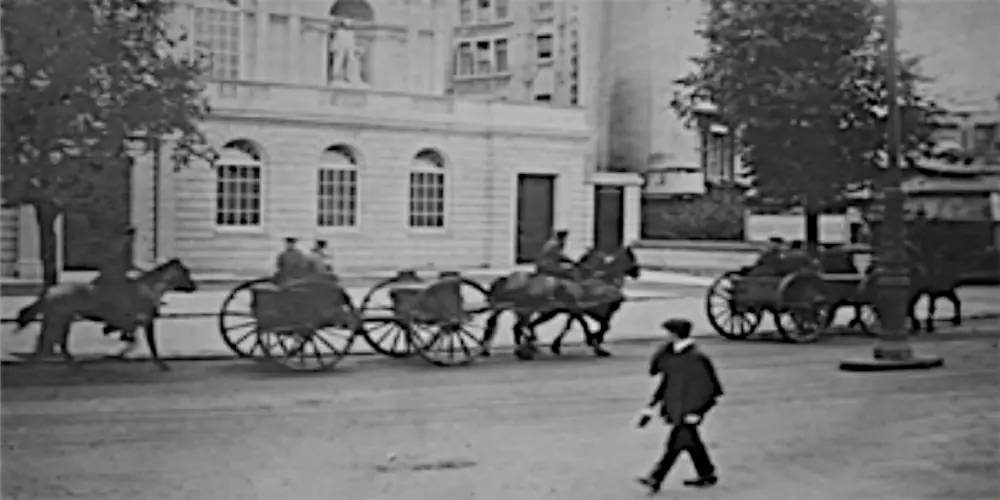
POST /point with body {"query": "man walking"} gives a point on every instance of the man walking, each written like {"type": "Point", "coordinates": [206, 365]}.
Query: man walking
{"type": "Point", "coordinates": [688, 389]}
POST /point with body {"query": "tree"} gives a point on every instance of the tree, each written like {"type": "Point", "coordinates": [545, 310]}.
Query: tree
{"type": "Point", "coordinates": [803, 86]}
{"type": "Point", "coordinates": [82, 80]}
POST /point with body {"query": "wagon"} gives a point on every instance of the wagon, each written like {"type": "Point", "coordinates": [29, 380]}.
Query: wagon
{"type": "Point", "coordinates": [803, 304]}
{"type": "Point", "coordinates": [312, 329]}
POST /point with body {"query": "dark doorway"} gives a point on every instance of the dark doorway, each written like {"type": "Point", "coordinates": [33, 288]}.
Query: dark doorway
{"type": "Point", "coordinates": [93, 227]}
{"type": "Point", "coordinates": [535, 214]}
{"type": "Point", "coordinates": [609, 217]}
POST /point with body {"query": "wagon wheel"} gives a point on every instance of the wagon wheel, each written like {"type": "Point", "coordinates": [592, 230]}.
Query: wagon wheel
{"type": "Point", "coordinates": [457, 342]}
{"type": "Point", "coordinates": [728, 322]}
{"type": "Point", "coordinates": [869, 322]}
{"type": "Point", "coordinates": [807, 306]}
{"type": "Point", "coordinates": [311, 349]}
{"type": "Point", "coordinates": [388, 338]}
{"type": "Point", "coordinates": [236, 322]}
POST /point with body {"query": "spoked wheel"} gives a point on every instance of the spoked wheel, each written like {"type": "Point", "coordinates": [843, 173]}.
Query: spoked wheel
{"type": "Point", "coordinates": [386, 337]}
{"type": "Point", "coordinates": [722, 315]}
{"type": "Point", "coordinates": [809, 315]}
{"type": "Point", "coordinates": [308, 350]}
{"type": "Point", "coordinates": [459, 341]}
{"type": "Point", "coordinates": [236, 322]}
{"type": "Point", "coordinates": [869, 322]}
{"type": "Point", "coordinates": [389, 337]}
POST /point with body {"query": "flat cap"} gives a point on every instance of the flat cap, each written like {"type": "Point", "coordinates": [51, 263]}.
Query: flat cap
{"type": "Point", "coordinates": [678, 326]}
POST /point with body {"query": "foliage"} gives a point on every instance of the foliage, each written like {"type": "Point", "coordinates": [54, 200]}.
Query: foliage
{"type": "Point", "coordinates": [803, 85]}
{"type": "Point", "coordinates": [718, 215]}
{"type": "Point", "coordinates": [81, 79]}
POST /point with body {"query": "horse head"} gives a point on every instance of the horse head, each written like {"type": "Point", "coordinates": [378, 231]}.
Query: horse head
{"type": "Point", "coordinates": [176, 276]}
{"type": "Point", "coordinates": [620, 264]}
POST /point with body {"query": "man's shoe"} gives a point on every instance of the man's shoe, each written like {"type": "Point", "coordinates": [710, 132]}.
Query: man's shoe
{"type": "Point", "coordinates": [702, 482]}
{"type": "Point", "coordinates": [652, 484]}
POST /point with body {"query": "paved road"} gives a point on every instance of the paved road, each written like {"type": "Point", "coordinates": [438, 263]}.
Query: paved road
{"type": "Point", "coordinates": [656, 296]}
{"type": "Point", "coordinates": [791, 426]}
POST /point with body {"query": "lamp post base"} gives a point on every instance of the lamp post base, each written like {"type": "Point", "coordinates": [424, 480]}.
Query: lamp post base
{"type": "Point", "coordinates": [874, 364]}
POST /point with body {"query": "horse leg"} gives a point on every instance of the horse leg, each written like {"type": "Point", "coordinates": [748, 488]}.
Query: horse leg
{"type": "Point", "coordinates": [931, 311]}
{"type": "Point", "coordinates": [61, 329]}
{"type": "Point", "coordinates": [599, 351]}
{"type": "Point", "coordinates": [523, 348]}
{"type": "Point", "coordinates": [956, 304]}
{"type": "Point", "coordinates": [490, 332]}
{"type": "Point", "coordinates": [556, 346]}
{"type": "Point", "coordinates": [149, 328]}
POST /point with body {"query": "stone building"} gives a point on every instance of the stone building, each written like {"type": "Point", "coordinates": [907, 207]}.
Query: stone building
{"type": "Point", "coordinates": [334, 121]}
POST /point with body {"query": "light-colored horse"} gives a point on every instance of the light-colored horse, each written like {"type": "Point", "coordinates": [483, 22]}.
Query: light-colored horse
{"type": "Point", "coordinates": [65, 303]}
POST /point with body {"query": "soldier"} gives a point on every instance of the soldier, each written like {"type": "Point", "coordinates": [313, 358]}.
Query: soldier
{"type": "Point", "coordinates": [113, 287]}
{"type": "Point", "coordinates": [320, 261]}
{"type": "Point", "coordinates": [769, 259]}
{"type": "Point", "coordinates": [552, 259]}
{"type": "Point", "coordinates": [292, 263]}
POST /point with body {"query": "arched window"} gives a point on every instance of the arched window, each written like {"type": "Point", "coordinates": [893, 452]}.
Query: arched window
{"type": "Point", "coordinates": [427, 190]}
{"type": "Point", "coordinates": [238, 185]}
{"type": "Point", "coordinates": [337, 188]}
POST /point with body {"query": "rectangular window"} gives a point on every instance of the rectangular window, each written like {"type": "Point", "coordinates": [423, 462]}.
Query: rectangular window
{"type": "Point", "coordinates": [500, 55]}
{"type": "Point", "coordinates": [465, 59]}
{"type": "Point", "coordinates": [218, 33]}
{"type": "Point", "coordinates": [543, 47]}
{"type": "Point", "coordinates": [484, 58]}
{"type": "Point", "coordinates": [465, 11]}
{"type": "Point", "coordinates": [427, 199]}
{"type": "Point", "coordinates": [485, 15]}
{"type": "Point", "coordinates": [237, 196]}
{"type": "Point", "coordinates": [503, 9]}
{"type": "Point", "coordinates": [337, 197]}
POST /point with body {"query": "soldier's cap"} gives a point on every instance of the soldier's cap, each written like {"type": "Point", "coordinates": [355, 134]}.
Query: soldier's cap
{"type": "Point", "coordinates": [321, 243]}
{"type": "Point", "coordinates": [776, 239]}
{"type": "Point", "coordinates": [677, 326]}
{"type": "Point", "coordinates": [562, 232]}
{"type": "Point", "coordinates": [291, 240]}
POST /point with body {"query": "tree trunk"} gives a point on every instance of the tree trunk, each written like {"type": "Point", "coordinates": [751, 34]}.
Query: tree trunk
{"type": "Point", "coordinates": [812, 230]}
{"type": "Point", "coordinates": [46, 215]}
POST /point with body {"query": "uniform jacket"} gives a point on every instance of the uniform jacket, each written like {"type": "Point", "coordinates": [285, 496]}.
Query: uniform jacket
{"type": "Point", "coordinates": [320, 262]}
{"type": "Point", "coordinates": [688, 382]}
{"type": "Point", "coordinates": [292, 264]}
{"type": "Point", "coordinates": [551, 255]}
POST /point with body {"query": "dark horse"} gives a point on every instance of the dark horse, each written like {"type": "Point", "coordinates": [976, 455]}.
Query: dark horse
{"type": "Point", "coordinates": [65, 303]}
{"type": "Point", "coordinates": [596, 292]}
{"type": "Point", "coordinates": [931, 275]}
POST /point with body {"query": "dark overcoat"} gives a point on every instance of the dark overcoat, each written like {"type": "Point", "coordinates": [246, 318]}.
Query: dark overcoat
{"type": "Point", "coordinates": [688, 382]}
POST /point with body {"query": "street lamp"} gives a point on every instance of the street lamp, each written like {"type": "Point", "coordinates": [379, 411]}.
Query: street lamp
{"type": "Point", "coordinates": [892, 349]}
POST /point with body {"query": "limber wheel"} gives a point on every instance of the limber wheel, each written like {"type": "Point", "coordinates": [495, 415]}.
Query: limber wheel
{"type": "Point", "coordinates": [388, 338]}
{"type": "Point", "coordinates": [808, 310]}
{"type": "Point", "coordinates": [308, 349]}
{"type": "Point", "coordinates": [458, 341]}
{"type": "Point", "coordinates": [723, 317]}
{"type": "Point", "coordinates": [236, 322]}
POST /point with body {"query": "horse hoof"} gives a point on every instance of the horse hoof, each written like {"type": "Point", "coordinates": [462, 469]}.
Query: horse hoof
{"type": "Point", "coordinates": [486, 354]}
{"type": "Point", "coordinates": [601, 353]}
{"type": "Point", "coordinates": [163, 368]}
{"type": "Point", "coordinates": [556, 349]}
{"type": "Point", "coordinates": [957, 322]}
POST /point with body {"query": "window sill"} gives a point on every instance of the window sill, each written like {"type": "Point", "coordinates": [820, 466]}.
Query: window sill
{"type": "Point", "coordinates": [238, 230]}
{"type": "Point", "coordinates": [467, 78]}
{"type": "Point", "coordinates": [338, 229]}
{"type": "Point", "coordinates": [429, 231]}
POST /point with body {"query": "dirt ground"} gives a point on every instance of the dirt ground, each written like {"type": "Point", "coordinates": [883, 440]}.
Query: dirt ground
{"type": "Point", "coordinates": [790, 427]}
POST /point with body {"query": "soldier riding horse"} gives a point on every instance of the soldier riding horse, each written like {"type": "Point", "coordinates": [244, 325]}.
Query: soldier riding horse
{"type": "Point", "coordinates": [594, 290]}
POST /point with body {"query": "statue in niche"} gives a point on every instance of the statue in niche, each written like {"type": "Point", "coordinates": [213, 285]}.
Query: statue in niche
{"type": "Point", "coordinates": [346, 57]}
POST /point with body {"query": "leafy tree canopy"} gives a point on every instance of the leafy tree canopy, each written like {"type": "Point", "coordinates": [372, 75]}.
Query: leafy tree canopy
{"type": "Point", "coordinates": [803, 86]}
{"type": "Point", "coordinates": [80, 79]}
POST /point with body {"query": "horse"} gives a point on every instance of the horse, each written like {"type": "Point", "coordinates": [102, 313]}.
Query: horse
{"type": "Point", "coordinates": [598, 281]}
{"type": "Point", "coordinates": [65, 303]}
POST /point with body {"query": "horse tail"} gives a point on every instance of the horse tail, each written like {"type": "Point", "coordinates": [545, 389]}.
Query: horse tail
{"type": "Point", "coordinates": [28, 313]}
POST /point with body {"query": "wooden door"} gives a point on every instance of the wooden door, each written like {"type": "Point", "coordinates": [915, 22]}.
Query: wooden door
{"type": "Point", "coordinates": [535, 214]}
{"type": "Point", "coordinates": [609, 217]}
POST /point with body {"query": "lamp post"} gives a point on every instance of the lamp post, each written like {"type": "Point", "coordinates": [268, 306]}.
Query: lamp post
{"type": "Point", "coordinates": [892, 349]}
